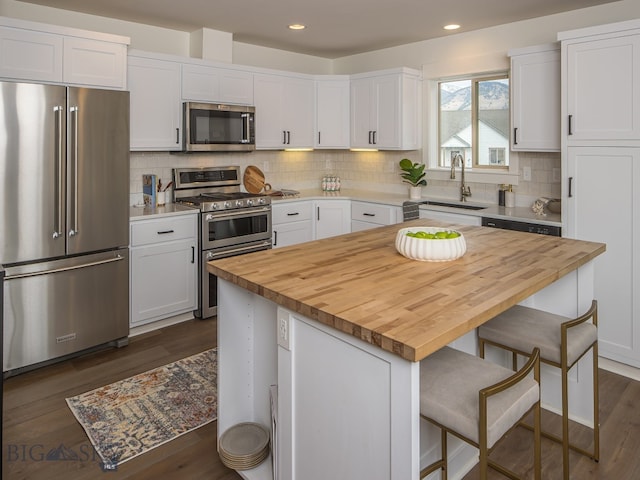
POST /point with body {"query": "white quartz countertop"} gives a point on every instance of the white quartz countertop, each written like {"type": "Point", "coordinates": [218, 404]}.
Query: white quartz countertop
{"type": "Point", "coordinates": [170, 209]}
{"type": "Point", "coordinates": [521, 214]}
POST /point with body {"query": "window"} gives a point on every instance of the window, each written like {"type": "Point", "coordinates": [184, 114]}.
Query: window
{"type": "Point", "coordinates": [474, 122]}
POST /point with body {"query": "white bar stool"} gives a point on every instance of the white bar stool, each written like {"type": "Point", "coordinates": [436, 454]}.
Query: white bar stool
{"type": "Point", "coordinates": [562, 342]}
{"type": "Point", "coordinates": [478, 402]}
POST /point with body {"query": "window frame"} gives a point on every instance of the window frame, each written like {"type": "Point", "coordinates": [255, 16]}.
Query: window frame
{"type": "Point", "coordinates": [475, 80]}
{"type": "Point", "coordinates": [430, 151]}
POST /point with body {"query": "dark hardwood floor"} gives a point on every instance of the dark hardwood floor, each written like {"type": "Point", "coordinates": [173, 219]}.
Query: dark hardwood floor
{"type": "Point", "coordinates": [37, 419]}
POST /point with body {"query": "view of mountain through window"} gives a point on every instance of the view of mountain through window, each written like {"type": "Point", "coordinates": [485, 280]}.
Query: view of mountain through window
{"type": "Point", "coordinates": [474, 122]}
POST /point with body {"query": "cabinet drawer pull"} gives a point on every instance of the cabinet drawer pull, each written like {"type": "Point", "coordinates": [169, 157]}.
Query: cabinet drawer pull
{"type": "Point", "coordinates": [164, 232]}
{"type": "Point", "coordinates": [369, 214]}
{"type": "Point", "coordinates": [293, 214]}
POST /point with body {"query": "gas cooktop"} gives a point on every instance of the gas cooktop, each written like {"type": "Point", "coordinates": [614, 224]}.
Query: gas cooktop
{"type": "Point", "coordinates": [213, 189]}
{"type": "Point", "coordinates": [209, 202]}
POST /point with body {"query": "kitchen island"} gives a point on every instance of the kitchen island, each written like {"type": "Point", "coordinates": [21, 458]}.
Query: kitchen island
{"type": "Point", "coordinates": [340, 325]}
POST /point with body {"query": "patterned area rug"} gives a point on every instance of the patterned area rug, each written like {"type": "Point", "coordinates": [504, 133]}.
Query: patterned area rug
{"type": "Point", "coordinates": [132, 416]}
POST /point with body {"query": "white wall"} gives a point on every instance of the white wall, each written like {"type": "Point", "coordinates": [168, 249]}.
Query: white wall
{"type": "Point", "coordinates": [459, 53]}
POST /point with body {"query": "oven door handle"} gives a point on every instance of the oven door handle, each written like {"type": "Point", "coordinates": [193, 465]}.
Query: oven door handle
{"type": "Point", "coordinates": [243, 212]}
{"type": "Point", "coordinates": [236, 251]}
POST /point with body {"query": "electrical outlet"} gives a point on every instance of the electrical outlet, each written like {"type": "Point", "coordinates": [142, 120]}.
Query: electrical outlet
{"type": "Point", "coordinates": [283, 332]}
{"type": "Point", "coordinates": [526, 174]}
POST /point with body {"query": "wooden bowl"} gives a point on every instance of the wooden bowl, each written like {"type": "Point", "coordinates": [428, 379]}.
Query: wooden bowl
{"type": "Point", "coordinates": [430, 250]}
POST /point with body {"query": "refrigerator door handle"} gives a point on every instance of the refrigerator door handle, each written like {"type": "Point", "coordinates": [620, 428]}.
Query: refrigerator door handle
{"type": "Point", "coordinates": [73, 231]}
{"type": "Point", "coordinates": [117, 258]}
{"type": "Point", "coordinates": [59, 156]}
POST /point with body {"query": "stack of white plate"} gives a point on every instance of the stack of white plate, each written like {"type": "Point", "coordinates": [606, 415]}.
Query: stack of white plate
{"type": "Point", "coordinates": [244, 446]}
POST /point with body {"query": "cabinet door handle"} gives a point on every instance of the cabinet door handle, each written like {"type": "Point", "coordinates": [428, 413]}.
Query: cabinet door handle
{"type": "Point", "coordinates": [515, 135]}
{"type": "Point", "coordinates": [570, 119]}
{"type": "Point", "coordinates": [284, 137]}
{"type": "Point", "coordinates": [193, 254]}
{"type": "Point", "coordinates": [370, 132]}
{"type": "Point", "coordinates": [177, 135]}
{"type": "Point", "coordinates": [318, 213]}
{"type": "Point", "coordinates": [293, 214]}
{"type": "Point", "coordinates": [318, 138]}
{"type": "Point", "coordinates": [164, 232]}
{"type": "Point", "coordinates": [275, 238]}
{"type": "Point", "coordinates": [288, 137]}
{"type": "Point", "coordinates": [570, 187]}
{"type": "Point", "coordinates": [374, 137]}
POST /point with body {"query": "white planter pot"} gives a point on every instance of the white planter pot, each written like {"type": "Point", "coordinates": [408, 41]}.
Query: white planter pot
{"type": "Point", "coordinates": [415, 193]}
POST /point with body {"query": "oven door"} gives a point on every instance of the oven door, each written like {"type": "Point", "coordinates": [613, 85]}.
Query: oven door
{"type": "Point", "coordinates": [208, 301]}
{"type": "Point", "coordinates": [235, 227]}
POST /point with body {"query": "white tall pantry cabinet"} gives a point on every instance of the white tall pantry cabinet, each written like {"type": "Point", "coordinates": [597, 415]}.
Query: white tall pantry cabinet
{"type": "Point", "coordinates": [601, 171]}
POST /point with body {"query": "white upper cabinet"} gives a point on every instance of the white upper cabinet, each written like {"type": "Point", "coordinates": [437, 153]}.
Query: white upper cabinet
{"type": "Point", "coordinates": [602, 83]}
{"type": "Point", "coordinates": [284, 112]}
{"type": "Point", "coordinates": [44, 53]}
{"type": "Point", "coordinates": [92, 62]}
{"type": "Point", "coordinates": [385, 110]}
{"type": "Point", "coordinates": [156, 114]}
{"type": "Point", "coordinates": [332, 113]}
{"type": "Point", "coordinates": [201, 83]}
{"type": "Point", "coordinates": [29, 55]}
{"type": "Point", "coordinates": [535, 99]}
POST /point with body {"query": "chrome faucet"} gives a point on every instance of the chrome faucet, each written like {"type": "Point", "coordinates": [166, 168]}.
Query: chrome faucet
{"type": "Point", "coordinates": [465, 191]}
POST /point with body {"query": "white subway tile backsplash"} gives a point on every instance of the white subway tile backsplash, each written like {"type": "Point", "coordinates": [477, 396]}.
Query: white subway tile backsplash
{"type": "Point", "coordinates": [361, 170]}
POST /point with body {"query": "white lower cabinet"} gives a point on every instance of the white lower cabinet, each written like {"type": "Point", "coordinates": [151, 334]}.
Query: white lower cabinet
{"type": "Point", "coordinates": [291, 223]}
{"type": "Point", "coordinates": [163, 267]}
{"type": "Point", "coordinates": [306, 220]}
{"type": "Point", "coordinates": [603, 193]}
{"type": "Point", "coordinates": [365, 215]}
{"type": "Point", "coordinates": [332, 217]}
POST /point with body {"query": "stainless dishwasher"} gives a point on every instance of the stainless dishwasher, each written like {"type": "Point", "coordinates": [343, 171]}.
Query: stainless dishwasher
{"type": "Point", "coordinates": [538, 228]}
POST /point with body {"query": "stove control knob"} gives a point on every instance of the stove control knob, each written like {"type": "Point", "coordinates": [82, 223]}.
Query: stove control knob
{"type": "Point", "coordinates": [214, 206]}
{"type": "Point", "coordinates": [238, 203]}
{"type": "Point", "coordinates": [249, 203]}
{"type": "Point", "coordinates": [261, 201]}
{"type": "Point", "coordinates": [227, 204]}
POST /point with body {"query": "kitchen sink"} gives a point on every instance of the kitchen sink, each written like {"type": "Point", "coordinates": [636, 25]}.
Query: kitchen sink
{"type": "Point", "coordinates": [453, 205]}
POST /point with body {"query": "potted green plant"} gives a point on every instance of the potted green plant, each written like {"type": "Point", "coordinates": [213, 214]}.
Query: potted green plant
{"type": "Point", "coordinates": [413, 174]}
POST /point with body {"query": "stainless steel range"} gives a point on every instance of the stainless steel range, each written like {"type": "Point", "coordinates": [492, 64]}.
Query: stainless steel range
{"type": "Point", "coordinates": [232, 222]}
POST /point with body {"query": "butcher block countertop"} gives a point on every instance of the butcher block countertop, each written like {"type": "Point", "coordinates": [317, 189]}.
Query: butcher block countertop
{"type": "Point", "coordinates": [359, 284]}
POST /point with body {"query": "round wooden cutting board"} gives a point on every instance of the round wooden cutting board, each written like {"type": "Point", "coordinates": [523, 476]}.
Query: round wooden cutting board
{"type": "Point", "coordinates": [254, 179]}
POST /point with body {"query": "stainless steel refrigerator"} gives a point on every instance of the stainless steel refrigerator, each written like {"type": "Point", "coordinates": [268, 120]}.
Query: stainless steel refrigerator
{"type": "Point", "coordinates": [64, 220]}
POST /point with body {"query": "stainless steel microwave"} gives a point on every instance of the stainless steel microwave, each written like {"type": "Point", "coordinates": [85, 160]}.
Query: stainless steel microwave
{"type": "Point", "coordinates": [214, 127]}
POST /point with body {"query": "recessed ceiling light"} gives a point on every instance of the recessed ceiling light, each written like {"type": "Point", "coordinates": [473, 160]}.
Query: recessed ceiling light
{"type": "Point", "coordinates": [452, 26]}
{"type": "Point", "coordinates": [297, 26]}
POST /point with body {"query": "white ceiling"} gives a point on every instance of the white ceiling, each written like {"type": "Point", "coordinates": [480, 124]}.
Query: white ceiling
{"type": "Point", "coordinates": [335, 28]}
